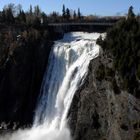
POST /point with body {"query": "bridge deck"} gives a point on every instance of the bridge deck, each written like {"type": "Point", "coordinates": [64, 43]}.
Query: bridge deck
{"type": "Point", "coordinates": [81, 24]}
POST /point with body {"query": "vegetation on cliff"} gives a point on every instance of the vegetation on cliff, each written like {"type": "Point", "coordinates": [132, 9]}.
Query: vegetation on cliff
{"type": "Point", "coordinates": [24, 53]}
{"type": "Point", "coordinates": [123, 42]}
{"type": "Point", "coordinates": [23, 59]}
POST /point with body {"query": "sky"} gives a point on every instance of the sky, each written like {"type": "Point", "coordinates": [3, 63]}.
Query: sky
{"type": "Point", "coordinates": [87, 7]}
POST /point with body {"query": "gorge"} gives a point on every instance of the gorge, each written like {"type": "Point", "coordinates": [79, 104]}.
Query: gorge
{"type": "Point", "coordinates": [68, 75]}
{"type": "Point", "coordinates": [67, 69]}
{"type": "Point", "coordinates": [81, 97]}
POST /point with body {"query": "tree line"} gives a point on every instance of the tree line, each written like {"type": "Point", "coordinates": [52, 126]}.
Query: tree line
{"type": "Point", "coordinates": [35, 16]}
{"type": "Point", "coordinates": [14, 14]}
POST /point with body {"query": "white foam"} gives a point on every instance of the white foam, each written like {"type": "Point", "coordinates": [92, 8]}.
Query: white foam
{"type": "Point", "coordinates": [67, 69]}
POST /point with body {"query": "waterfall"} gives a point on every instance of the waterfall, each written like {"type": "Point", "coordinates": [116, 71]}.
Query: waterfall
{"type": "Point", "coordinates": [68, 66]}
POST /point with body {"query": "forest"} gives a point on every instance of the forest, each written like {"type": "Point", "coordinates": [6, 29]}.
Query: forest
{"type": "Point", "coordinates": [122, 41]}
{"type": "Point", "coordinates": [14, 14]}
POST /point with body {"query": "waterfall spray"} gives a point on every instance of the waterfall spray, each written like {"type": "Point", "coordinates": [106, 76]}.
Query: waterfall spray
{"type": "Point", "coordinates": [68, 66]}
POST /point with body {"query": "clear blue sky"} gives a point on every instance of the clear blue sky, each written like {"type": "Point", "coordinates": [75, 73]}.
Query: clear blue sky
{"type": "Point", "coordinates": [98, 7]}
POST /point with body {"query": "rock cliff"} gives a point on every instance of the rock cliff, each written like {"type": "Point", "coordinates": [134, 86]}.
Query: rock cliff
{"type": "Point", "coordinates": [101, 110]}
{"type": "Point", "coordinates": [23, 61]}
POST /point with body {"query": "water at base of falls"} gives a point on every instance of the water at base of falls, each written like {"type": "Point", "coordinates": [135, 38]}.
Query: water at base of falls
{"type": "Point", "coordinates": [66, 71]}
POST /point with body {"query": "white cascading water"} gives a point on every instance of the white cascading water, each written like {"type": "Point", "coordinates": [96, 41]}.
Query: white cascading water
{"type": "Point", "coordinates": [67, 69]}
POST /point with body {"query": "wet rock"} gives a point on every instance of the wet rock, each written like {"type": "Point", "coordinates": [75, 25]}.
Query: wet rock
{"type": "Point", "coordinates": [98, 113]}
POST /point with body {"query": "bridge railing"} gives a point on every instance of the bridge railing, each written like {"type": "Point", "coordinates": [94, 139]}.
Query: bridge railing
{"type": "Point", "coordinates": [78, 24]}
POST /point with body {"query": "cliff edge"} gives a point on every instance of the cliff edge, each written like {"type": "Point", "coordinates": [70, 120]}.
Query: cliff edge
{"type": "Point", "coordinates": [101, 110]}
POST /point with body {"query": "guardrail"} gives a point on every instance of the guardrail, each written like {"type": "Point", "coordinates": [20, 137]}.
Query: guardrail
{"type": "Point", "coordinates": [79, 24]}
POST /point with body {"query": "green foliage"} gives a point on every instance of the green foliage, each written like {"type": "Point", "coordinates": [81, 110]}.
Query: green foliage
{"type": "Point", "coordinates": [110, 72]}
{"type": "Point", "coordinates": [21, 17]}
{"type": "Point", "coordinates": [64, 12]}
{"type": "Point", "coordinates": [130, 12]}
{"type": "Point", "coordinates": [100, 74]}
{"type": "Point", "coordinates": [67, 14]}
{"type": "Point", "coordinates": [115, 87]}
{"type": "Point", "coordinates": [123, 42]}
{"type": "Point", "coordinates": [8, 13]}
{"type": "Point", "coordinates": [137, 136]}
{"type": "Point", "coordinates": [74, 15]}
{"type": "Point", "coordinates": [29, 38]}
{"type": "Point", "coordinates": [79, 14]}
{"type": "Point", "coordinates": [138, 71]}
{"type": "Point", "coordinates": [14, 14]}
{"type": "Point", "coordinates": [99, 40]}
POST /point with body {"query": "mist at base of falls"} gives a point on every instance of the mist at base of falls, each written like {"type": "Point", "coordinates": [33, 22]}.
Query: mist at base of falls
{"type": "Point", "coordinates": [68, 66]}
{"type": "Point", "coordinates": [39, 133]}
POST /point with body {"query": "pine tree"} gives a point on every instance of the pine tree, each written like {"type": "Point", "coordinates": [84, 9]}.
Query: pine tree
{"type": "Point", "coordinates": [79, 14]}
{"type": "Point", "coordinates": [3, 18]}
{"type": "Point", "coordinates": [37, 11]}
{"type": "Point", "coordinates": [67, 14]}
{"type": "Point", "coordinates": [130, 12]}
{"type": "Point", "coordinates": [64, 12]}
{"type": "Point", "coordinates": [21, 17]}
{"type": "Point", "coordinates": [31, 10]}
{"type": "Point", "coordinates": [8, 12]}
{"type": "Point", "coordinates": [74, 15]}
{"type": "Point", "coordinates": [44, 18]}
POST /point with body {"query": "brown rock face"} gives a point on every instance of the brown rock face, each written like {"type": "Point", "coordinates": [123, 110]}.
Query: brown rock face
{"type": "Point", "coordinates": [100, 113]}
